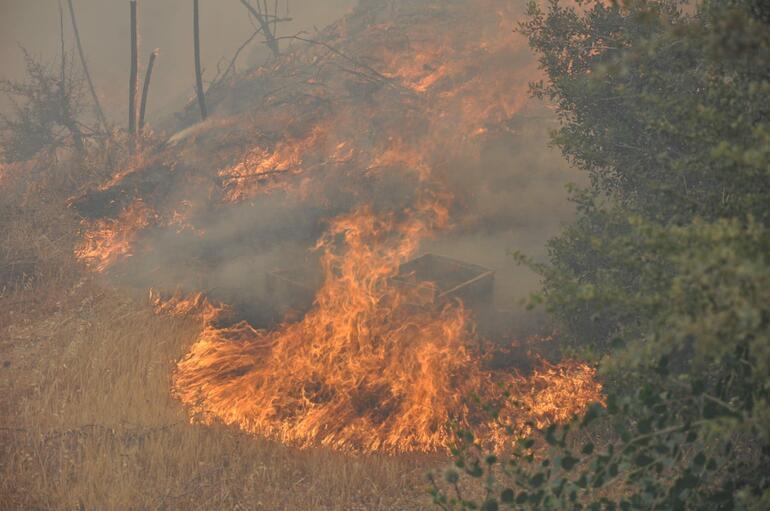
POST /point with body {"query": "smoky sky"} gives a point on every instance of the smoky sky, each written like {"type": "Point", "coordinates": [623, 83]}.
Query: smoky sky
{"type": "Point", "coordinates": [163, 24]}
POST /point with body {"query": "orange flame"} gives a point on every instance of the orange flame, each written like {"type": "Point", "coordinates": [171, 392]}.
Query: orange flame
{"type": "Point", "coordinates": [109, 240]}
{"type": "Point", "coordinates": [254, 171]}
{"type": "Point", "coordinates": [373, 366]}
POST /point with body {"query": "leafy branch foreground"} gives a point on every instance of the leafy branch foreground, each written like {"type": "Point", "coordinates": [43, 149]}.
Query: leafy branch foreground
{"type": "Point", "coordinates": [663, 280]}
{"type": "Point", "coordinates": [604, 461]}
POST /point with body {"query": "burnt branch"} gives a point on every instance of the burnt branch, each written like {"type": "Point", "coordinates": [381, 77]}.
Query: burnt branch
{"type": "Point", "coordinates": [218, 80]}
{"type": "Point", "coordinates": [268, 23]}
{"type": "Point", "coordinates": [146, 88]}
{"type": "Point", "coordinates": [197, 50]}
{"type": "Point", "coordinates": [92, 89]}
{"type": "Point", "coordinates": [356, 62]}
{"type": "Point", "coordinates": [133, 80]}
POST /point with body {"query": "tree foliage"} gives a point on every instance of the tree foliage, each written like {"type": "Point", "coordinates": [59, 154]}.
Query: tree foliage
{"type": "Point", "coordinates": [664, 277]}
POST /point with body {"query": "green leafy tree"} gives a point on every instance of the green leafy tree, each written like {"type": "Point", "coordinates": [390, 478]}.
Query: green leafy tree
{"type": "Point", "coordinates": [664, 276]}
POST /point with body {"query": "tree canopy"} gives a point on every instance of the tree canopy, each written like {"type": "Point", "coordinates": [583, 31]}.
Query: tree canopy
{"type": "Point", "coordinates": [663, 279]}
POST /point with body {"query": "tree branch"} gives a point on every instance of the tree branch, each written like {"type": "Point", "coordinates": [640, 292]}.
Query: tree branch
{"type": "Point", "coordinates": [146, 88]}
{"type": "Point", "coordinates": [133, 81]}
{"type": "Point", "coordinates": [264, 23]}
{"type": "Point", "coordinates": [99, 111]}
{"type": "Point", "coordinates": [198, 75]}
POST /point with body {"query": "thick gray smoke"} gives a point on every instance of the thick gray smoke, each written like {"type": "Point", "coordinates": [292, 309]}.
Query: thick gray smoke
{"type": "Point", "coordinates": [517, 203]}
{"type": "Point", "coordinates": [514, 199]}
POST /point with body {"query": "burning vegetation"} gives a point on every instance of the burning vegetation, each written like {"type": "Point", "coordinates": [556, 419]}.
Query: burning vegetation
{"type": "Point", "coordinates": [107, 241]}
{"type": "Point", "coordinates": [371, 127]}
{"type": "Point", "coordinates": [318, 236]}
{"type": "Point", "coordinates": [372, 366]}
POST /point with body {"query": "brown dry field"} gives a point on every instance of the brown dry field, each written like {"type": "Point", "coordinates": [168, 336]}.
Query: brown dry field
{"type": "Point", "coordinates": [87, 421]}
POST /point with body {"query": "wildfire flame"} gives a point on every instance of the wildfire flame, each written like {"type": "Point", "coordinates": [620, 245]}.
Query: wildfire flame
{"type": "Point", "coordinates": [374, 365]}
{"type": "Point", "coordinates": [107, 241]}
{"type": "Point", "coordinates": [252, 173]}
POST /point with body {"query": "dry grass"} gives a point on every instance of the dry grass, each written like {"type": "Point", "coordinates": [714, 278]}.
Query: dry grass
{"type": "Point", "coordinates": [91, 425]}
{"type": "Point", "coordinates": [87, 420]}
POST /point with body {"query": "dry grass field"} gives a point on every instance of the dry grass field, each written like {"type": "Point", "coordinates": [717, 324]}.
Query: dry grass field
{"type": "Point", "coordinates": [86, 417]}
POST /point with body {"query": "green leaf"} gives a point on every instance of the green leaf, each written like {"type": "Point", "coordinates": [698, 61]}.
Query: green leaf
{"type": "Point", "coordinates": [642, 459]}
{"type": "Point", "coordinates": [644, 426]}
{"type": "Point", "coordinates": [687, 481]}
{"type": "Point", "coordinates": [506, 496]}
{"type": "Point", "coordinates": [550, 436]}
{"type": "Point", "coordinates": [700, 459]}
{"type": "Point", "coordinates": [475, 471]}
{"type": "Point", "coordinates": [568, 462]}
{"type": "Point", "coordinates": [712, 410]}
{"type": "Point", "coordinates": [489, 505]}
{"type": "Point", "coordinates": [698, 387]}
{"type": "Point", "coordinates": [591, 414]}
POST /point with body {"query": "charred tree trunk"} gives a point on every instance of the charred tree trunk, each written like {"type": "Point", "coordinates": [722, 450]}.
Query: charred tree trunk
{"type": "Point", "coordinates": [133, 81]}
{"type": "Point", "coordinates": [146, 89]}
{"type": "Point", "coordinates": [97, 105]}
{"type": "Point", "coordinates": [198, 73]}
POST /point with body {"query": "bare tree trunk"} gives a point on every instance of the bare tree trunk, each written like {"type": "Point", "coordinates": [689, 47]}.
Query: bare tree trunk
{"type": "Point", "coordinates": [133, 82]}
{"type": "Point", "coordinates": [198, 75]}
{"type": "Point", "coordinates": [99, 111]}
{"type": "Point", "coordinates": [146, 88]}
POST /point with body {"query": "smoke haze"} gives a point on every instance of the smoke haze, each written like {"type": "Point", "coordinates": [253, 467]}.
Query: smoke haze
{"type": "Point", "coordinates": [166, 24]}
{"type": "Point", "coordinates": [513, 199]}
